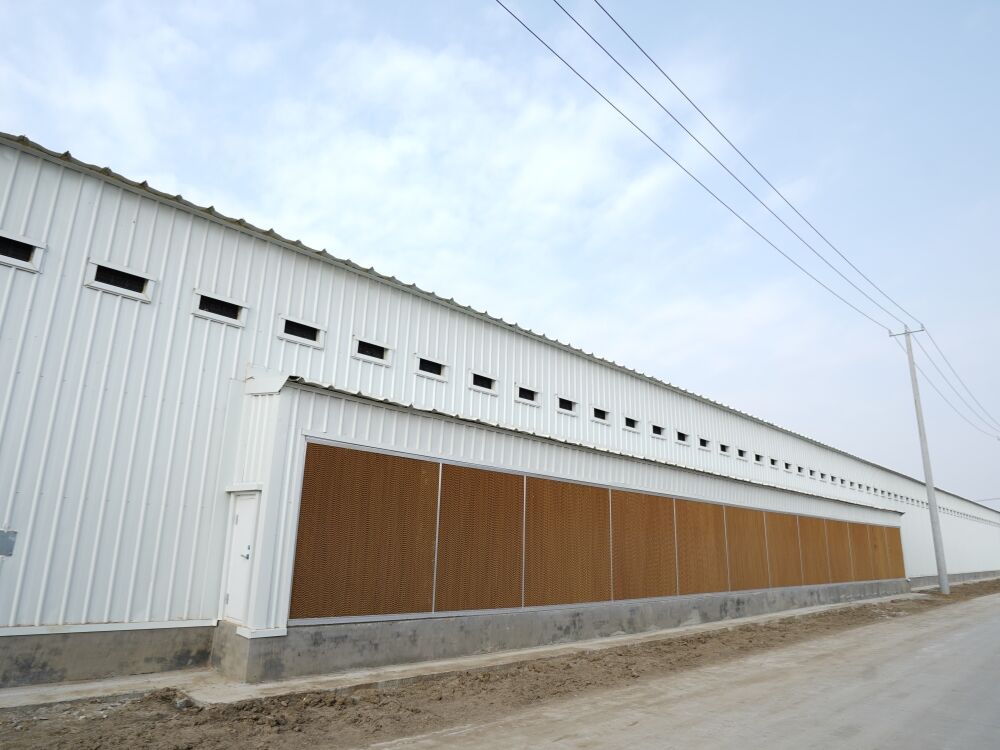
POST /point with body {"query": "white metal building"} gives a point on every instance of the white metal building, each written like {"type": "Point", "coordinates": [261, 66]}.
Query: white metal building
{"type": "Point", "coordinates": [163, 368]}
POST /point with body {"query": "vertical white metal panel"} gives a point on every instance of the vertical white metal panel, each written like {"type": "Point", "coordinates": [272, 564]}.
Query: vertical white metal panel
{"type": "Point", "coordinates": [114, 421]}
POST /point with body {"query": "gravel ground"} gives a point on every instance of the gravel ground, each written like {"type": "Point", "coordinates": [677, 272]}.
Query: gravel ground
{"type": "Point", "coordinates": [167, 720]}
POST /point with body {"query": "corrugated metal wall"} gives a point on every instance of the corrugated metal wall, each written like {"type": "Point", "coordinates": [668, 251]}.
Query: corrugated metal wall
{"type": "Point", "coordinates": [115, 436]}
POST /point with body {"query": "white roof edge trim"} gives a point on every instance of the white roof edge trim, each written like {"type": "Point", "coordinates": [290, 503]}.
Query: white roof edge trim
{"type": "Point", "coordinates": [261, 382]}
{"type": "Point", "coordinates": [299, 382]}
{"type": "Point", "coordinates": [24, 143]}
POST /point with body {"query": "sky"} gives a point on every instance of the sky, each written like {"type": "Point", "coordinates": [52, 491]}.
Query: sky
{"type": "Point", "coordinates": [441, 144]}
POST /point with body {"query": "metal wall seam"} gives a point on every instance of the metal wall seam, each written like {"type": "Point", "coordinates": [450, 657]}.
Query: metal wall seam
{"type": "Point", "coordinates": [437, 537]}
{"type": "Point", "coordinates": [725, 544]}
{"type": "Point", "coordinates": [524, 531]}
{"type": "Point", "coordinates": [826, 541]}
{"type": "Point", "coordinates": [611, 546]}
{"type": "Point", "coordinates": [798, 535]}
{"type": "Point", "coordinates": [767, 552]}
{"type": "Point", "coordinates": [850, 551]}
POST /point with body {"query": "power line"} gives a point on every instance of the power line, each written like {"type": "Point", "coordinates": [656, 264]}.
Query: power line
{"type": "Point", "coordinates": [686, 171]}
{"type": "Point", "coordinates": [944, 398]}
{"type": "Point", "coordinates": [992, 418]}
{"type": "Point", "coordinates": [753, 166]}
{"type": "Point", "coordinates": [730, 172]}
{"type": "Point", "coordinates": [746, 159]}
{"type": "Point", "coordinates": [733, 211]}
{"type": "Point", "coordinates": [952, 386]}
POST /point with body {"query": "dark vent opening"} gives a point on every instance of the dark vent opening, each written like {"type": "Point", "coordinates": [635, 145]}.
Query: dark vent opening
{"type": "Point", "coordinates": [21, 251]}
{"type": "Point", "coordinates": [723, 448]}
{"type": "Point", "coordinates": [657, 430]}
{"type": "Point", "coordinates": [741, 453]}
{"type": "Point", "coordinates": [631, 423]}
{"type": "Point", "coordinates": [430, 366]}
{"type": "Point", "coordinates": [219, 307]}
{"type": "Point", "coordinates": [368, 349]}
{"type": "Point", "coordinates": [120, 279]}
{"type": "Point", "coordinates": [526, 394]}
{"type": "Point", "coordinates": [600, 413]}
{"type": "Point", "coordinates": [481, 381]}
{"type": "Point", "coordinates": [682, 437]}
{"type": "Point", "coordinates": [702, 442]}
{"type": "Point", "coordinates": [774, 462]}
{"type": "Point", "coordinates": [758, 458]}
{"type": "Point", "coordinates": [566, 405]}
{"type": "Point", "coordinates": [301, 330]}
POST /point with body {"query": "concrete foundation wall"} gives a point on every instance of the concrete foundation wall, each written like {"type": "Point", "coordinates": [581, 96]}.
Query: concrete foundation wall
{"type": "Point", "coordinates": [320, 649]}
{"type": "Point", "coordinates": [63, 657]}
{"type": "Point", "coordinates": [924, 581]}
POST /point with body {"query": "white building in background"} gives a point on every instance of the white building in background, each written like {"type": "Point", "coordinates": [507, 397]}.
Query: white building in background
{"type": "Point", "coordinates": [163, 367]}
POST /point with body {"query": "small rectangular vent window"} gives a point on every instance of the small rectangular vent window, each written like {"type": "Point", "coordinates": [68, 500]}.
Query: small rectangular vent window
{"type": "Point", "coordinates": [566, 405]}
{"type": "Point", "coordinates": [758, 458]}
{"type": "Point", "coordinates": [120, 279]}
{"type": "Point", "coordinates": [482, 381]}
{"type": "Point", "coordinates": [740, 453]}
{"type": "Point", "coordinates": [812, 472]}
{"type": "Point", "coordinates": [631, 423]}
{"type": "Point", "coordinates": [774, 463]}
{"type": "Point", "coordinates": [723, 448]}
{"type": "Point", "coordinates": [788, 466]}
{"type": "Point", "coordinates": [21, 251]}
{"type": "Point", "coordinates": [657, 430]}
{"type": "Point", "coordinates": [368, 349]}
{"type": "Point", "coordinates": [800, 469]}
{"type": "Point", "coordinates": [702, 442]}
{"type": "Point", "coordinates": [219, 307]}
{"type": "Point", "coordinates": [301, 331]}
{"type": "Point", "coordinates": [431, 367]}
{"type": "Point", "coordinates": [601, 414]}
{"type": "Point", "coordinates": [526, 394]}
{"type": "Point", "coordinates": [682, 437]}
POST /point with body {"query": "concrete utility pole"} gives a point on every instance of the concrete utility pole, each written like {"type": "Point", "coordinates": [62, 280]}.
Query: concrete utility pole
{"type": "Point", "coordinates": [942, 568]}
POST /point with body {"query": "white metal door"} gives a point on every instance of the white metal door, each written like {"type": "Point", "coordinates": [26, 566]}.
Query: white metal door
{"type": "Point", "coordinates": [241, 555]}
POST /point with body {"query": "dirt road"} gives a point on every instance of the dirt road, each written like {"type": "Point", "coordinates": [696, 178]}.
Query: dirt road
{"type": "Point", "coordinates": [846, 677]}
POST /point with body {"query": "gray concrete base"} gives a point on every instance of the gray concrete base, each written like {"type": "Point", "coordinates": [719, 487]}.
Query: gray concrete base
{"type": "Point", "coordinates": [322, 649]}
{"type": "Point", "coordinates": [925, 581]}
{"type": "Point", "coordinates": [329, 648]}
{"type": "Point", "coordinates": [61, 657]}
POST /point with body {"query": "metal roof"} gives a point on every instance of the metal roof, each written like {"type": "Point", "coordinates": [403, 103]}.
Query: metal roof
{"type": "Point", "coordinates": [210, 213]}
